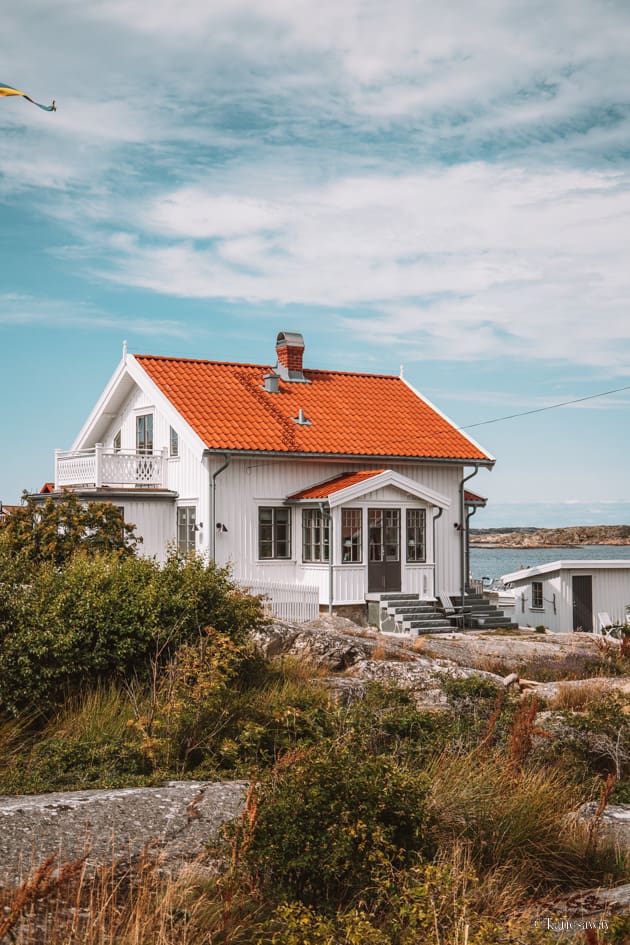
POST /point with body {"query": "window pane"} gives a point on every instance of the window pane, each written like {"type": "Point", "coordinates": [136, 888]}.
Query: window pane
{"type": "Point", "coordinates": [351, 536]}
{"type": "Point", "coordinates": [186, 518]}
{"type": "Point", "coordinates": [144, 433]}
{"type": "Point", "coordinates": [174, 443]}
{"type": "Point", "coordinates": [274, 532]}
{"type": "Point", "coordinates": [416, 520]}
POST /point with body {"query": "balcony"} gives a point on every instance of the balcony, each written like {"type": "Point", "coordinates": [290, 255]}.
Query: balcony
{"type": "Point", "coordinates": [105, 468]}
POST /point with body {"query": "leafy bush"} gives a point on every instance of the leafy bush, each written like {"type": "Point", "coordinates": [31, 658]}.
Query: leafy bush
{"type": "Point", "coordinates": [103, 617]}
{"type": "Point", "coordinates": [53, 530]}
{"type": "Point", "coordinates": [327, 823]}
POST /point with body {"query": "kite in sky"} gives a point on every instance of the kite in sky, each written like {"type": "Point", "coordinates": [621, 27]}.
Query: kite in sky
{"type": "Point", "coordinates": [7, 90]}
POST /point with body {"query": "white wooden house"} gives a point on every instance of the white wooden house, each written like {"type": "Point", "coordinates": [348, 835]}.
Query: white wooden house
{"type": "Point", "coordinates": [351, 483]}
{"type": "Point", "coordinates": [569, 595]}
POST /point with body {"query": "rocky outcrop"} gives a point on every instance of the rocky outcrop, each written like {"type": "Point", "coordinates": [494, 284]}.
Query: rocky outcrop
{"type": "Point", "coordinates": [612, 824]}
{"type": "Point", "coordinates": [362, 656]}
{"type": "Point", "coordinates": [600, 904]}
{"type": "Point", "coordinates": [553, 537]}
{"type": "Point", "coordinates": [175, 821]}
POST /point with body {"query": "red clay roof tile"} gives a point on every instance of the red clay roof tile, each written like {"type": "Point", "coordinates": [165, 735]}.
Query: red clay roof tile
{"type": "Point", "coordinates": [323, 489]}
{"type": "Point", "coordinates": [227, 406]}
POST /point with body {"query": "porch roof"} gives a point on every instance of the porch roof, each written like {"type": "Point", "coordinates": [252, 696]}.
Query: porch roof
{"type": "Point", "coordinates": [325, 489]}
{"type": "Point", "coordinates": [352, 485]}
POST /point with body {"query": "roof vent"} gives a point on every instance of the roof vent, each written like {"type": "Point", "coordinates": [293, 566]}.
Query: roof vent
{"type": "Point", "coordinates": [290, 351]}
{"type": "Point", "coordinates": [270, 383]}
{"type": "Point", "coordinates": [301, 419]}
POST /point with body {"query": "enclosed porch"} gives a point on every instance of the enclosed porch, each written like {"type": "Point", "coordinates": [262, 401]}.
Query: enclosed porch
{"type": "Point", "coordinates": [367, 533]}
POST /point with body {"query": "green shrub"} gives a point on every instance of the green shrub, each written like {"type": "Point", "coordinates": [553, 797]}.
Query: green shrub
{"type": "Point", "coordinates": [327, 823]}
{"type": "Point", "coordinates": [53, 530]}
{"type": "Point", "coordinates": [103, 617]}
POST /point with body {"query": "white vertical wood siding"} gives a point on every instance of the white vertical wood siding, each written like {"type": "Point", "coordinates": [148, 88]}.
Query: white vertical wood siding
{"type": "Point", "coordinates": [154, 521]}
{"type": "Point", "coordinates": [186, 474]}
{"type": "Point", "coordinates": [250, 482]}
{"type": "Point", "coordinates": [611, 594]}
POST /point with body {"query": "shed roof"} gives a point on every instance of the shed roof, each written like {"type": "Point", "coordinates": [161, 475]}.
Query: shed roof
{"type": "Point", "coordinates": [592, 564]}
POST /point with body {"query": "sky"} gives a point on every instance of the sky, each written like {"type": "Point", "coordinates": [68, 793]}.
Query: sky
{"type": "Point", "coordinates": [444, 186]}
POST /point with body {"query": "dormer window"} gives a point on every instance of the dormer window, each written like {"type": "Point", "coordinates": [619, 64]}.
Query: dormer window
{"type": "Point", "coordinates": [173, 443]}
{"type": "Point", "coordinates": [117, 442]}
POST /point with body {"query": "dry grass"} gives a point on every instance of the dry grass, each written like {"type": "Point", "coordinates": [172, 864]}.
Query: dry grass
{"type": "Point", "coordinates": [122, 904]}
{"type": "Point", "coordinates": [515, 822]}
{"type": "Point", "coordinates": [578, 696]}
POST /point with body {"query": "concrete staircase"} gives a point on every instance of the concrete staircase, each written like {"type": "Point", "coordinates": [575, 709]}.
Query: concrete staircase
{"type": "Point", "coordinates": [406, 613]}
{"type": "Point", "coordinates": [482, 614]}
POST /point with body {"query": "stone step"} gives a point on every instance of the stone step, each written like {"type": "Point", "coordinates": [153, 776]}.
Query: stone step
{"type": "Point", "coordinates": [419, 619]}
{"type": "Point", "coordinates": [412, 609]}
{"type": "Point", "coordinates": [397, 596]}
{"type": "Point", "coordinates": [426, 622]}
{"type": "Point", "coordinates": [438, 628]}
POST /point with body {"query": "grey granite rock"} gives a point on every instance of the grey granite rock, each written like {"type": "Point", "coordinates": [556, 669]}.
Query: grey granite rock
{"type": "Point", "coordinates": [175, 820]}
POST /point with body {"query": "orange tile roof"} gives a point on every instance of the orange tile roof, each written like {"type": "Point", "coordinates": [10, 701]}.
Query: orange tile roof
{"type": "Point", "coordinates": [323, 489]}
{"type": "Point", "coordinates": [350, 414]}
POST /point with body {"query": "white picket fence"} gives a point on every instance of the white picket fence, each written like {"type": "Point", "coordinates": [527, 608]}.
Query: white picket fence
{"type": "Point", "coordinates": [291, 602]}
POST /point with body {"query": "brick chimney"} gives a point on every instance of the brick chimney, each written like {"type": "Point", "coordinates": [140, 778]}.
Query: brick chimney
{"type": "Point", "coordinates": [290, 350]}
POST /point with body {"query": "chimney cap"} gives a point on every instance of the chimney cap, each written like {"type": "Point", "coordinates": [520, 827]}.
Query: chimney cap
{"type": "Point", "coordinates": [292, 339]}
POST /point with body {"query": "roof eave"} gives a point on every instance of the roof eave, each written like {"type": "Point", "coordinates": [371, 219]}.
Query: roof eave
{"type": "Point", "coordinates": [354, 457]}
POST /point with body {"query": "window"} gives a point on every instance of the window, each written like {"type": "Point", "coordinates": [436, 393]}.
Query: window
{"type": "Point", "coordinates": [117, 442]}
{"type": "Point", "coordinates": [186, 520]}
{"type": "Point", "coordinates": [537, 595]}
{"type": "Point", "coordinates": [274, 532]}
{"type": "Point", "coordinates": [315, 535]}
{"type": "Point", "coordinates": [416, 535]}
{"type": "Point", "coordinates": [351, 535]}
{"type": "Point", "coordinates": [173, 443]}
{"type": "Point", "coordinates": [144, 433]}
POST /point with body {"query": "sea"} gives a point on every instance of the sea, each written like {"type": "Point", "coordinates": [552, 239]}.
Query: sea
{"type": "Point", "coordinates": [491, 563]}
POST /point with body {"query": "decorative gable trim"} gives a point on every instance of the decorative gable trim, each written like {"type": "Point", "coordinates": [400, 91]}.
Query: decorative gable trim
{"type": "Point", "coordinates": [127, 374]}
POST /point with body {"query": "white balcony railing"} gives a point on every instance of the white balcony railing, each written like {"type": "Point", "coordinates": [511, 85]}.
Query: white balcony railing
{"type": "Point", "coordinates": [99, 467]}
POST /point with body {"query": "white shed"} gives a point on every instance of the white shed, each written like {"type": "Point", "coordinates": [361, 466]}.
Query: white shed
{"type": "Point", "coordinates": [569, 595]}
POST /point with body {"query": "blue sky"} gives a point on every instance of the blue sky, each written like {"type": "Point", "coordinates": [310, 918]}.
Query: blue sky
{"type": "Point", "coordinates": [445, 186]}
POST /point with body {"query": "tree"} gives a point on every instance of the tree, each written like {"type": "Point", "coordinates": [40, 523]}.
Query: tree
{"type": "Point", "coordinates": [54, 530]}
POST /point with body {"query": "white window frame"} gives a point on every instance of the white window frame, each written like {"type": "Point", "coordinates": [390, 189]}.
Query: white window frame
{"type": "Point", "coordinates": [275, 540]}
{"type": "Point", "coordinates": [173, 440]}
{"type": "Point", "coordinates": [355, 510]}
{"type": "Point", "coordinates": [538, 602]}
{"type": "Point", "coordinates": [423, 527]}
{"type": "Point", "coordinates": [189, 544]}
{"type": "Point", "coordinates": [145, 415]}
{"type": "Point", "coordinates": [315, 536]}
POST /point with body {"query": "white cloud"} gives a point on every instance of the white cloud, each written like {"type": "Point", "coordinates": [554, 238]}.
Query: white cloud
{"type": "Point", "coordinates": [469, 261]}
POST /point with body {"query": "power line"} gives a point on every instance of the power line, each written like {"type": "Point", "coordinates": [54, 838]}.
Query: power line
{"type": "Point", "coordinates": [527, 413]}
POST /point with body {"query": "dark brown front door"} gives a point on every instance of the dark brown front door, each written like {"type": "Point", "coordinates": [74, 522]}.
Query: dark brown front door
{"type": "Point", "coordinates": [384, 550]}
{"type": "Point", "coordinates": [583, 603]}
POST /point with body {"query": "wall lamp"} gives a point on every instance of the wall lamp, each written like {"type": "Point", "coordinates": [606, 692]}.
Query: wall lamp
{"type": "Point", "coordinates": [221, 527]}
